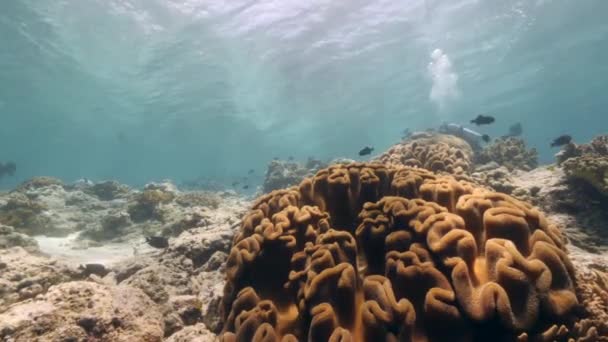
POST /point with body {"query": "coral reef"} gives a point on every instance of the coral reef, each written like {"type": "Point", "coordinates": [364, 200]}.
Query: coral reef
{"type": "Point", "coordinates": [24, 275]}
{"type": "Point", "coordinates": [147, 205]}
{"type": "Point", "coordinates": [84, 311]}
{"type": "Point", "coordinates": [10, 238]}
{"type": "Point", "coordinates": [590, 169]}
{"type": "Point", "coordinates": [368, 252]}
{"type": "Point", "coordinates": [431, 151]}
{"type": "Point", "coordinates": [37, 183]}
{"type": "Point", "coordinates": [107, 190]}
{"type": "Point", "coordinates": [509, 152]}
{"type": "Point", "coordinates": [282, 174]}
{"type": "Point", "coordinates": [597, 147]}
{"type": "Point", "coordinates": [24, 214]}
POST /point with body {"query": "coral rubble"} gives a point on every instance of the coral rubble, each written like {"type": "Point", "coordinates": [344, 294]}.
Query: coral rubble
{"type": "Point", "coordinates": [368, 252]}
{"type": "Point", "coordinates": [434, 152]}
{"type": "Point", "coordinates": [510, 152]}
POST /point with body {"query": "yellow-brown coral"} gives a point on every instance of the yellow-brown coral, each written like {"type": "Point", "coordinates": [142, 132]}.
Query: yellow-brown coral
{"type": "Point", "coordinates": [367, 252]}
{"type": "Point", "coordinates": [436, 152]}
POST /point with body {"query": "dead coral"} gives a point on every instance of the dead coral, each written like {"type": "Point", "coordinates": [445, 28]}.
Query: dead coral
{"type": "Point", "coordinates": [146, 204]}
{"type": "Point", "coordinates": [10, 238]}
{"type": "Point", "coordinates": [434, 152]}
{"type": "Point", "coordinates": [597, 147]}
{"type": "Point", "coordinates": [368, 252]}
{"type": "Point", "coordinates": [108, 190]}
{"type": "Point", "coordinates": [38, 182]}
{"type": "Point", "coordinates": [24, 214]}
{"type": "Point", "coordinates": [198, 199]}
{"type": "Point", "coordinates": [281, 174]}
{"type": "Point", "coordinates": [589, 168]}
{"type": "Point", "coordinates": [509, 152]}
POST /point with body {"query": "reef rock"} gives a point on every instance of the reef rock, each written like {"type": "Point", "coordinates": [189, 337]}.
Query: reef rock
{"type": "Point", "coordinates": [369, 252]}
{"type": "Point", "coordinates": [509, 152]}
{"type": "Point", "coordinates": [194, 333]}
{"type": "Point", "coordinates": [10, 238]}
{"type": "Point", "coordinates": [591, 169]}
{"type": "Point", "coordinates": [84, 311]}
{"type": "Point", "coordinates": [25, 214]}
{"type": "Point", "coordinates": [431, 151]}
{"type": "Point", "coordinates": [25, 275]}
{"type": "Point", "coordinates": [108, 190]}
{"type": "Point", "coordinates": [597, 147]}
{"type": "Point", "coordinates": [281, 174]}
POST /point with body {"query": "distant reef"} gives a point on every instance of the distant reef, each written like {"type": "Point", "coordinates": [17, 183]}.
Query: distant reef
{"type": "Point", "coordinates": [430, 241]}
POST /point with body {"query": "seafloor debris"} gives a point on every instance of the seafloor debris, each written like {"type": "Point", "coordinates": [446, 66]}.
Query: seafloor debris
{"type": "Point", "coordinates": [368, 252]}
{"type": "Point", "coordinates": [509, 152]}
{"type": "Point", "coordinates": [431, 151]}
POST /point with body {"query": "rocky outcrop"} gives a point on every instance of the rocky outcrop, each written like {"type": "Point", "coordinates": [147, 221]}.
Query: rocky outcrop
{"type": "Point", "coordinates": [509, 152]}
{"type": "Point", "coordinates": [84, 311]}
{"type": "Point", "coordinates": [24, 275]}
{"type": "Point", "coordinates": [10, 238]}
{"type": "Point", "coordinates": [282, 173]}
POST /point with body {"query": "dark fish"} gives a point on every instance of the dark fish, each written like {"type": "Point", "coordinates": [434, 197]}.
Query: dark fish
{"type": "Point", "coordinates": [157, 241]}
{"type": "Point", "coordinates": [97, 269]}
{"type": "Point", "coordinates": [251, 171]}
{"type": "Point", "coordinates": [561, 140]}
{"type": "Point", "coordinates": [8, 169]}
{"type": "Point", "coordinates": [366, 150]}
{"type": "Point", "coordinates": [290, 158]}
{"type": "Point", "coordinates": [485, 138]}
{"type": "Point", "coordinates": [235, 183]}
{"type": "Point", "coordinates": [483, 120]}
{"type": "Point", "coordinates": [245, 187]}
{"type": "Point", "coordinates": [275, 158]}
{"type": "Point", "coordinates": [121, 137]}
{"type": "Point", "coordinates": [515, 130]}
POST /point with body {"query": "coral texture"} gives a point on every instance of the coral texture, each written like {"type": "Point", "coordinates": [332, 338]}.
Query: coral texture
{"type": "Point", "coordinates": [434, 152]}
{"type": "Point", "coordinates": [597, 147]}
{"type": "Point", "coordinates": [368, 252]}
{"type": "Point", "coordinates": [84, 311]}
{"type": "Point", "coordinates": [24, 275]}
{"type": "Point", "coordinates": [589, 168]}
{"type": "Point", "coordinates": [509, 152]}
{"type": "Point", "coordinates": [282, 174]}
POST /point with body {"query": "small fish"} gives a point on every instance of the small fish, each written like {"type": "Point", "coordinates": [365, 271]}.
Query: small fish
{"type": "Point", "coordinates": [157, 241]}
{"type": "Point", "coordinates": [515, 130]}
{"type": "Point", "coordinates": [97, 269]}
{"type": "Point", "coordinates": [245, 187]}
{"type": "Point", "coordinates": [8, 169]}
{"type": "Point", "coordinates": [251, 171]}
{"type": "Point", "coordinates": [366, 150]}
{"type": "Point", "coordinates": [485, 138]}
{"type": "Point", "coordinates": [561, 140]}
{"type": "Point", "coordinates": [483, 120]}
{"type": "Point", "coordinates": [275, 158]}
{"type": "Point", "coordinates": [234, 184]}
{"type": "Point", "coordinates": [290, 158]}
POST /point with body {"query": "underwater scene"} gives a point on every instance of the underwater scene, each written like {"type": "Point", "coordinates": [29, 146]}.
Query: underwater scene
{"type": "Point", "coordinates": [312, 170]}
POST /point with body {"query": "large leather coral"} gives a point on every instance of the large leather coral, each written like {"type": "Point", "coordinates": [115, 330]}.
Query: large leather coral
{"type": "Point", "coordinates": [365, 252]}
{"type": "Point", "coordinates": [434, 152]}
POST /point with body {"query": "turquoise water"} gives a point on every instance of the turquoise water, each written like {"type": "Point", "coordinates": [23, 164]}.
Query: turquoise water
{"type": "Point", "coordinates": [145, 90]}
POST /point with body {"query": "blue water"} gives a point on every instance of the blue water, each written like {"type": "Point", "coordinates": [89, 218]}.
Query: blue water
{"type": "Point", "coordinates": [143, 90]}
